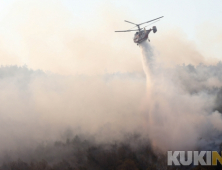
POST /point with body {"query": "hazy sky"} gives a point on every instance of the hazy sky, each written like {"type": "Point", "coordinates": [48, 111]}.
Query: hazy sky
{"type": "Point", "coordinates": [186, 14]}
{"type": "Point", "coordinates": [73, 36]}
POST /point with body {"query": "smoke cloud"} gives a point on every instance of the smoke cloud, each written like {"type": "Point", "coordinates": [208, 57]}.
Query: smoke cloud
{"type": "Point", "coordinates": [174, 108]}
{"type": "Point", "coordinates": [183, 104]}
{"type": "Point", "coordinates": [37, 107]}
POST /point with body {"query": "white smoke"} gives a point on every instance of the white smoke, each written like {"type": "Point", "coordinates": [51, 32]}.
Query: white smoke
{"type": "Point", "coordinates": [180, 104]}
{"type": "Point", "coordinates": [177, 108]}
{"type": "Point", "coordinates": [38, 107]}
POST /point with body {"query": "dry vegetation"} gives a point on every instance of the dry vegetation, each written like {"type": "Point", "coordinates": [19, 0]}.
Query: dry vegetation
{"type": "Point", "coordinates": [77, 154]}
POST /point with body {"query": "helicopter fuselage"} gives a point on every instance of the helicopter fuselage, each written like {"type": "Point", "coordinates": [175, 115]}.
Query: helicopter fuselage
{"type": "Point", "coordinates": [141, 36]}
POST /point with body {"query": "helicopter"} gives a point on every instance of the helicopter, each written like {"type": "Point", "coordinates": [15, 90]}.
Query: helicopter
{"type": "Point", "coordinates": [142, 34]}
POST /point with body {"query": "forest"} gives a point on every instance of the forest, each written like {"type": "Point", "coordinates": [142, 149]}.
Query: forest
{"type": "Point", "coordinates": [82, 154]}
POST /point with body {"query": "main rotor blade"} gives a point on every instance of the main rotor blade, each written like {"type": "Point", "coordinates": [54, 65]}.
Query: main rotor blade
{"type": "Point", "coordinates": [130, 22]}
{"type": "Point", "coordinates": [132, 27]}
{"type": "Point", "coordinates": [150, 20]}
{"type": "Point", "coordinates": [126, 30]}
{"type": "Point", "coordinates": [150, 24]}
